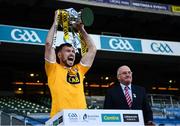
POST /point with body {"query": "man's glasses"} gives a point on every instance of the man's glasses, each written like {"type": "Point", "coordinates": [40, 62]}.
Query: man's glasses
{"type": "Point", "coordinates": [125, 73]}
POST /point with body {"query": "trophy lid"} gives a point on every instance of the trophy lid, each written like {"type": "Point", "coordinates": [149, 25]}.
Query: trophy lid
{"type": "Point", "coordinates": [87, 16]}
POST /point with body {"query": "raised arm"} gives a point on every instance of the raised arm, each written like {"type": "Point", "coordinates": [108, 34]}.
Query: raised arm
{"type": "Point", "coordinates": [49, 50]}
{"type": "Point", "coordinates": [88, 58]}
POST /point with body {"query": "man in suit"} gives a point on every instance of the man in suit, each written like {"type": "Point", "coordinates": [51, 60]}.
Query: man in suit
{"type": "Point", "coordinates": [124, 95]}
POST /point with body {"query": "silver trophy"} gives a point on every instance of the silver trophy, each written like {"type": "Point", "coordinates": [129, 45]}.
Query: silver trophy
{"type": "Point", "coordinates": [84, 16]}
{"type": "Point", "coordinates": [67, 18]}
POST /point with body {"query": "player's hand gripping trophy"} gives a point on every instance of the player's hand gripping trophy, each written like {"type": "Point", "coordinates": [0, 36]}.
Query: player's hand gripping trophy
{"type": "Point", "coordinates": [68, 19]}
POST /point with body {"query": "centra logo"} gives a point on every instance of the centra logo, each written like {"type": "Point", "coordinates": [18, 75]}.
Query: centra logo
{"type": "Point", "coordinates": [111, 117]}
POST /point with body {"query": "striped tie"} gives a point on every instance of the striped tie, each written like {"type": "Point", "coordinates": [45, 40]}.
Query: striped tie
{"type": "Point", "coordinates": [128, 98]}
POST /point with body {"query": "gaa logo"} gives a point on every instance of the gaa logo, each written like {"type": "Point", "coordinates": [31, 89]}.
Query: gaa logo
{"type": "Point", "coordinates": [73, 79]}
{"type": "Point", "coordinates": [120, 44]}
{"type": "Point", "coordinates": [161, 47]}
{"type": "Point", "coordinates": [25, 35]}
{"type": "Point", "coordinates": [72, 115]}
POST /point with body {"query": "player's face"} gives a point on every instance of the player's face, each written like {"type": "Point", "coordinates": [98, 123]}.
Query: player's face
{"type": "Point", "coordinates": [67, 56]}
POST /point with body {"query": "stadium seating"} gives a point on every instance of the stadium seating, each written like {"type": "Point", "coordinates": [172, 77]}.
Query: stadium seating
{"type": "Point", "coordinates": [35, 113]}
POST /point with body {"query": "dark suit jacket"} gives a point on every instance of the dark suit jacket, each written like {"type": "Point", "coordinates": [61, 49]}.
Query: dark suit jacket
{"type": "Point", "coordinates": [115, 99]}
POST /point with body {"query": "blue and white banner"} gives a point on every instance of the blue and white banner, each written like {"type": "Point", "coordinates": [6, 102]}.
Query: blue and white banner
{"type": "Point", "coordinates": [23, 35]}
{"type": "Point", "coordinates": [143, 46]}
{"type": "Point", "coordinates": [120, 44]}
{"type": "Point", "coordinates": [14, 34]}
{"type": "Point", "coordinates": [161, 47]}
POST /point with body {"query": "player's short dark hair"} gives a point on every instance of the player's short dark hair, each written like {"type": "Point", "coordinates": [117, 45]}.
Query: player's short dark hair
{"type": "Point", "coordinates": [59, 48]}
